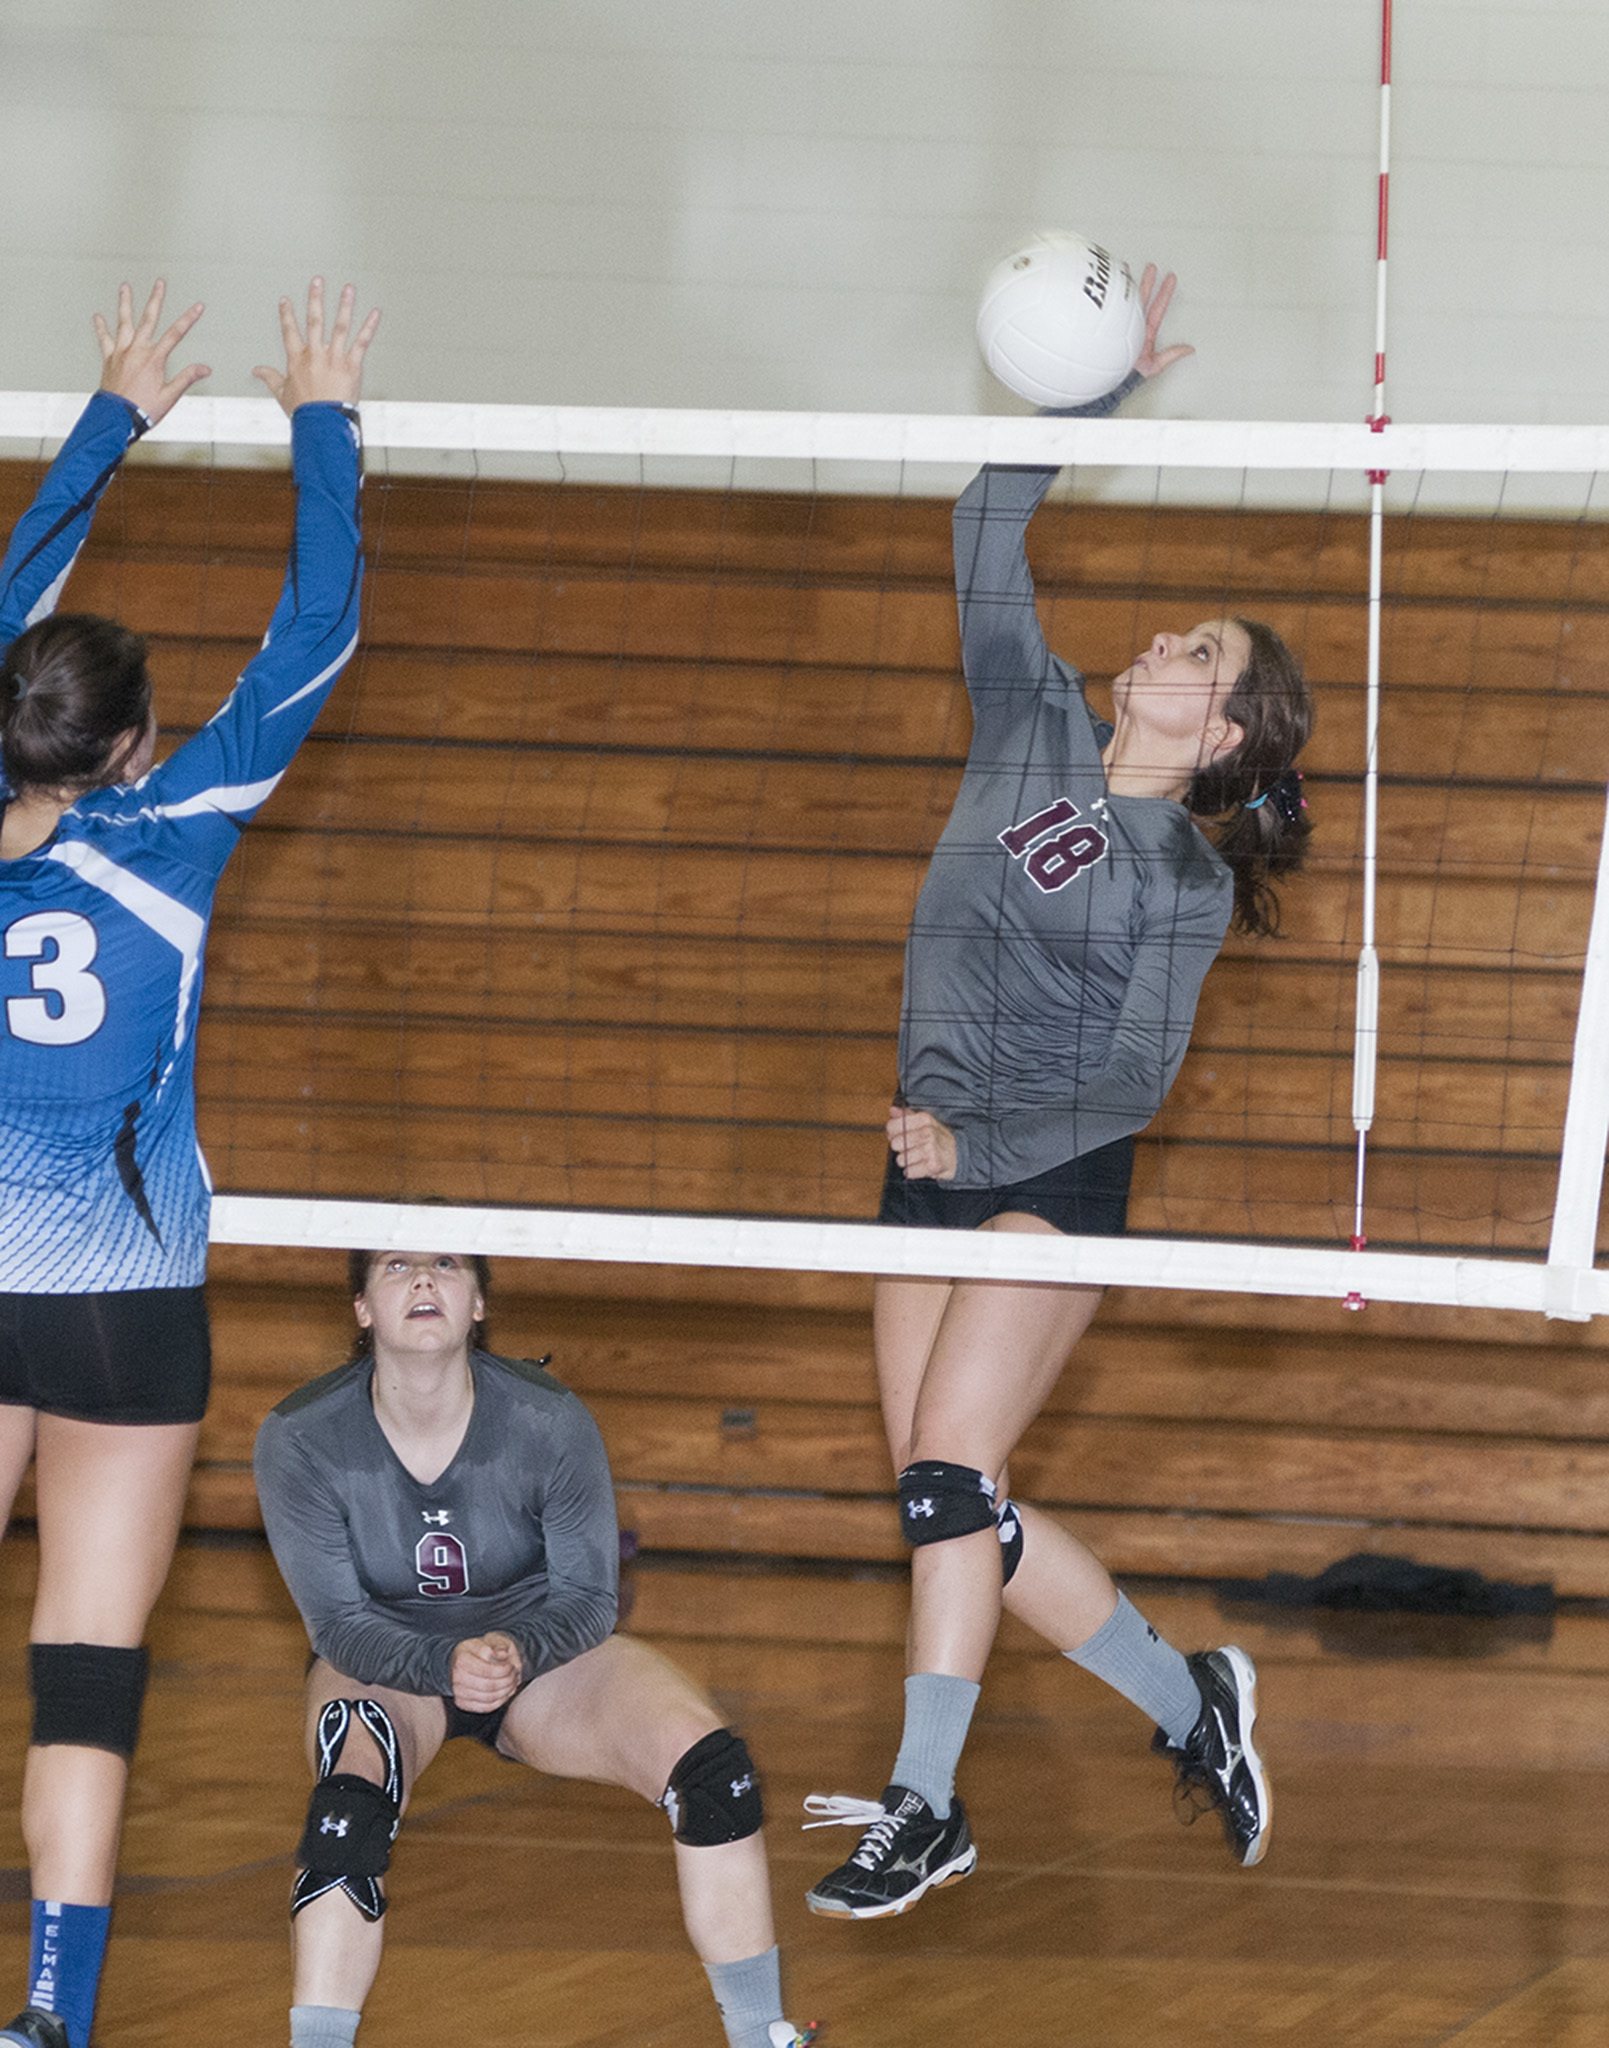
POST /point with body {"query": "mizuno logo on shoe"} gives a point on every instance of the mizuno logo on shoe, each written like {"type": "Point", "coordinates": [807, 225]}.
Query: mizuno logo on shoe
{"type": "Point", "coordinates": [1233, 1752]}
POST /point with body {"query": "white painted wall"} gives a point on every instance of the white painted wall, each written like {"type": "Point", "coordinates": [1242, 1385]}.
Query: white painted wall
{"type": "Point", "coordinates": [763, 203]}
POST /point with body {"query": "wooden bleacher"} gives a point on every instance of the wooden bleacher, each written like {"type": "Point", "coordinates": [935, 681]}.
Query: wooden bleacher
{"type": "Point", "coordinates": [591, 890]}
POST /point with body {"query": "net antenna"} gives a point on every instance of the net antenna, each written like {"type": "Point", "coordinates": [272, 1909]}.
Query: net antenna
{"type": "Point", "coordinates": [1366, 1039]}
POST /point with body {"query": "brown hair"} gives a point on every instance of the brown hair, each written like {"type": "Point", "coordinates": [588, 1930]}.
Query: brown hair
{"type": "Point", "coordinates": [1261, 831]}
{"type": "Point", "coordinates": [71, 687]}
{"type": "Point", "coordinates": [360, 1264]}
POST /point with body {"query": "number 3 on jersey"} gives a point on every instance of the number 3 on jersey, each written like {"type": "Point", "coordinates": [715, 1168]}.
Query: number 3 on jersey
{"type": "Point", "coordinates": [69, 1003]}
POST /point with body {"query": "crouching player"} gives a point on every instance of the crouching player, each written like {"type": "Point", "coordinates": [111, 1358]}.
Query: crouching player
{"type": "Point", "coordinates": [445, 1521]}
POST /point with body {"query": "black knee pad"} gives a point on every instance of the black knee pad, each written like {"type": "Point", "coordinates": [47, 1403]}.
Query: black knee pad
{"type": "Point", "coordinates": [88, 1693]}
{"type": "Point", "coordinates": [351, 1824]}
{"type": "Point", "coordinates": [1009, 1523]}
{"type": "Point", "coordinates": [351, 1821]}
{"type": "Point", "coordinates": [939, 1501]}
{"type": "Point", "coordinates": [714, 1792]}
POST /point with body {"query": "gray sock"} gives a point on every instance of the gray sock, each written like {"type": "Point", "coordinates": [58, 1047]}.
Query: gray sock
{"type": "Point", "coordinates": [938, 1713]}
{"type": "Point", "coordinates": [323, 2026]}
{"type": "Point", "coordinates": [749, 1995]}
{"type": "Point", "coordinates": [1132, 1658]}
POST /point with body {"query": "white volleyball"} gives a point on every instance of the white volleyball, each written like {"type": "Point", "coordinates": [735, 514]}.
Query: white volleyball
{"type": "Point", "coordinates": [1061, 320]}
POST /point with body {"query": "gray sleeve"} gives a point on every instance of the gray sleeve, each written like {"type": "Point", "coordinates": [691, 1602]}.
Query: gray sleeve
{"type": "Point", "coordinates": [307, 1532]}
{"type": "Point", "coordinates": [1148, 1045]}
{"type": "Point", "coordinates": [1003, 649]}
{"type": "Point", "coordinates": [582, 1537]}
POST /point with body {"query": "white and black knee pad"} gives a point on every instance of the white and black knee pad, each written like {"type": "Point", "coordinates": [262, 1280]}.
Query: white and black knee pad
{"type": "Point", "coordinates": [714, 1792]}
{"type": "Point", "coordinates": [351, 1822]}
{"type": "Point", "coordinates": [88, 1693]}
{"type": "Point", "coordinates": [939, 1502]}
{"type": "Point", "coordinates": [1009, 1523]}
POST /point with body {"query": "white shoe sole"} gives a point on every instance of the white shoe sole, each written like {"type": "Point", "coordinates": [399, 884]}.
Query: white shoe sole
{"type": "Point", "coordinates": [1246, 1693]}
{"type": "Point", "coordinates": [948, 1873]}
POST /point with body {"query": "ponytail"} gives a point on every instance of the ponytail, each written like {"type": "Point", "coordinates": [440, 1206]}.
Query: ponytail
{"type": "Point", "coordinates": [1254, 793]}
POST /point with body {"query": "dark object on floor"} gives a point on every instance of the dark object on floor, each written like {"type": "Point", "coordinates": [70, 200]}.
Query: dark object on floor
{"type": "Point", "coordinates": [1378, 1606]}
{"type": "Point", "coordinates": [1396, 1585]}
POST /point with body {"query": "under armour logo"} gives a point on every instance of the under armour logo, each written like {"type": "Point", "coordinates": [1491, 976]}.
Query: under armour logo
{"type": "Point", "coordinates": [920, 1507]}
{"type": "Point", "coordinates": [329, 1825]}
{"type": "Point", "coordinates": [439, 1519]}
{"type": "Point", "coordinates": [742, 1785]}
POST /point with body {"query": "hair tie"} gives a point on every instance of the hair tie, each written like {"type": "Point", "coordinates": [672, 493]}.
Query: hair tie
{"type": "Point", "coordinates": [21, 683]}
{"type": "Point", "coordinates": [1286, 790]}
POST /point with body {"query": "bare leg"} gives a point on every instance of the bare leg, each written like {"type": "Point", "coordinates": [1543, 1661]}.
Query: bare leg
{"type": "Point", "coordinates": [110, 1497]}
{"type": "Point", "coordinates": [335, 1952]}
{"type": "Point", "coordinates": [998, 1349]}
{"type": "Point", "coordinates": [623, 1715]}
{"type": "Point", "coordinates": [17, 1430]}
{"type": "Point", "coordinates": [1061, 1589]}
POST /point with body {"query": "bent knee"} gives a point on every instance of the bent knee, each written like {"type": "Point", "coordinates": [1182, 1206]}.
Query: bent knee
{"type": "Point", "coordinates": [713, 1794]}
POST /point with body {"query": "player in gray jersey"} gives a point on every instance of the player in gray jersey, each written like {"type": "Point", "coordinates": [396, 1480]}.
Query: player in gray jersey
{"type": "Point", "coordinates": [445, 1521]}
{"type": "Point", "coordinates": [1080, 891]}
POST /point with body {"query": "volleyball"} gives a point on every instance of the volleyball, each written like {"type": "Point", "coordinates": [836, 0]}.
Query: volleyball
{"type": "Point", "coordinates": [1061, 321]}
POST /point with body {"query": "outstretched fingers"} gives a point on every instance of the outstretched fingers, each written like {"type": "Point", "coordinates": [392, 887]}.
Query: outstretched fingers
{"type": "Point", "coordinates": [135, 357]}
{"type": "Point", "coordinates": [1156, 297]}
{"type": "Point", "coordinates": [324, 364]}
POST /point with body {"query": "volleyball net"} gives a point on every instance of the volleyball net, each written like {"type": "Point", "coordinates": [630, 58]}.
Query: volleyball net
{"type": "Point", "coordinates": [577, 929]}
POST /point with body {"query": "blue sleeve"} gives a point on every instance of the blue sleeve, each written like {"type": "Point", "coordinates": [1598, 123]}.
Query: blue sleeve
{"type": "Point", "coordinates": [1003, 649]}
{"type": "Point", "coordinates": [53, 529]}
{"type": "Point", "coordinates": [220, 779]}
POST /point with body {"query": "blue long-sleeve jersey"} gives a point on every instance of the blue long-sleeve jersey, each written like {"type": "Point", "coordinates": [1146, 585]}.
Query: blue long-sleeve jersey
{"type": "Point", "coordinates": [103, 928]}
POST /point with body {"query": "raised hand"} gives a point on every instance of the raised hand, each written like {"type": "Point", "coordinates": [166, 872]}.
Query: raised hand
{"type": "Point", "coordinates": [319, 366]}
{"type": "Point", "coordinates": [1156, 299]}
{"type": "Point", "coordinates": [134, 356]}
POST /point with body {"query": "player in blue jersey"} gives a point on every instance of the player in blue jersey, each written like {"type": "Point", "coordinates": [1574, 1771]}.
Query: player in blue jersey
{"type": "Point", "coordinates": [107, 871]}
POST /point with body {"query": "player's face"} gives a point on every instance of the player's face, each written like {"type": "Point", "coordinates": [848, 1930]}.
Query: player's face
{"type": "Point", "coordinates": [420, 1304]}
{"type": "Point", "coordinates": [1178, 686]}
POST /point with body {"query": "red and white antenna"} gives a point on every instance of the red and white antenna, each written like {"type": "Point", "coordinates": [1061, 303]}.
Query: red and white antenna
{"type": "Point", "coordinates": [1366, 1040]}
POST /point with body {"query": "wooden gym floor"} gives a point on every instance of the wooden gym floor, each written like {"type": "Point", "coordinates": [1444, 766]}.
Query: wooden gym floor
{"type": "Point", "coordinates": [1440, 1868]}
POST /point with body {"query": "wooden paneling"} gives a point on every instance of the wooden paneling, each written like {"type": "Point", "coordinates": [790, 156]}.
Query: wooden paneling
{"type": "Point", "coordinates": [592, 889]}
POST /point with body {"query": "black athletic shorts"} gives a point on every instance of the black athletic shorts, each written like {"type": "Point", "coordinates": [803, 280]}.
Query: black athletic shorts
{"type": "Point", "coordinates": [1084, 1197]}
{"type": "Point", "coordinates": [144, 1355]}
{"type": "Point", "coordinates": [478, 1727]}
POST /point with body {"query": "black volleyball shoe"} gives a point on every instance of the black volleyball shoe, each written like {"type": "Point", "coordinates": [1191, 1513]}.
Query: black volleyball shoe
{"type": "Point", "coordinates": [36, 2028]}
{"type": "Point", "coordinates": [905, 1851]}
{"type": "Point", "coordinates": [1218, 1768]}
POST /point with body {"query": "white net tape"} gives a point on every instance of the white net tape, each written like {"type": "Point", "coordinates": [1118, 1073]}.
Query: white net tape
{"type": "Point", "coordinates": [1324, 464]}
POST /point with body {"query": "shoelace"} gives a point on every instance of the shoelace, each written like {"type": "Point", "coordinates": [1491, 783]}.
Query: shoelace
{"type": "Point", "coordinates": [840, 1811]}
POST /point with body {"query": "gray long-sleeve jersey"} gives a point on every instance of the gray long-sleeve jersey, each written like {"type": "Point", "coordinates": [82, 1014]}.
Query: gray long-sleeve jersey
{"type": "Point", "coordinates": [519, 1532]}
{"type": "Point", "coordinates": [1063, 933]}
